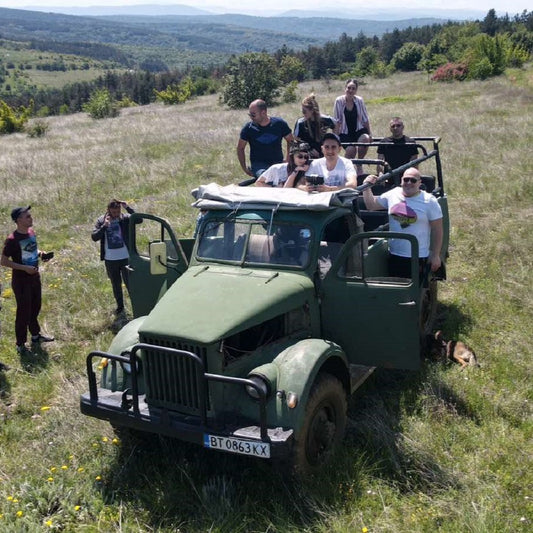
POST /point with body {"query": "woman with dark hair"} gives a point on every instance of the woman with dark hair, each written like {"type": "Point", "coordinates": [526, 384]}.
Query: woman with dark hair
{"type": "Point", "coordinates": [287, 174]}
{"type": "Point", "coordinates": [354, 125]}
{"type": "Point", "coordinates": [312, 127]}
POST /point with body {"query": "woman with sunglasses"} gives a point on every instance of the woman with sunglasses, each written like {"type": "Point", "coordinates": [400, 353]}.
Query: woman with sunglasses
{"type": "Point", "coordinates": [354, 125]}
{"type": "Point", "coordinates": [312, 127]}
{"type": "Point", "coordinates": [287, 174]}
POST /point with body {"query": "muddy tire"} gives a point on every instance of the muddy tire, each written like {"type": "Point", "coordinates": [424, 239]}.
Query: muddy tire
{"type": "Point", "coordinates": [324, 425]}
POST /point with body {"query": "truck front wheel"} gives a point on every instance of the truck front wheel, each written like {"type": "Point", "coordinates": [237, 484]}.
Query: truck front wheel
{"type": "Point", "coordinates": [323, 427]}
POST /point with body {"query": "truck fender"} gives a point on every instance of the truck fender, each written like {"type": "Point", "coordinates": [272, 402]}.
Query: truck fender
{"type": "Point", "coordinates": [298, 367]}
{"type": "Point", "coordinates": [113, 376]}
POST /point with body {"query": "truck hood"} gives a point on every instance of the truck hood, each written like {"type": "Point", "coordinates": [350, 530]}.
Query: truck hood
{"type": "Point", "coordinates": [207, 304]}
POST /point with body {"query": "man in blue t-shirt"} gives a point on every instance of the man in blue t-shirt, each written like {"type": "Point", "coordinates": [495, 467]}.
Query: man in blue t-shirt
{"type": "Point", "coordinates": [264, 135]}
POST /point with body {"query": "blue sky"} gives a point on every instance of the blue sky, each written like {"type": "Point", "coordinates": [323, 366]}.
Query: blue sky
{"type": "Point", "coordinates": [273, 7]}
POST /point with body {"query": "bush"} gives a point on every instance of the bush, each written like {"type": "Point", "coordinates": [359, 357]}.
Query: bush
{"type": "Point", "coordinates": [289, 94]}
{"type": "Point", "coordinates": [450, 72]}
{"type": "Point", "coordinates": [176, 94]}
{"type": "Point", "coordinates": [408, 56]}
{"type": "Point", "coordinates": [250, 76]}
{"type": "Point", "coordinates": [13, 120]}
{"type": "Point", "coordinates": [101, 105]}
{"type": "Point", "coordinates": [37, 129]}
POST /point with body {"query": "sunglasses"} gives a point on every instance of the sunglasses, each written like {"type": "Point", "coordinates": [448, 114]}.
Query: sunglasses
{"type": "Point", "coordinates": [302, 156]}
{"type": "Point", "coordinates": [409, 180]}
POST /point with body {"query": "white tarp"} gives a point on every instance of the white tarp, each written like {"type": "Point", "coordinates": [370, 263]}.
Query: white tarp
{"type": "Point", "coordinates": [233, 197]}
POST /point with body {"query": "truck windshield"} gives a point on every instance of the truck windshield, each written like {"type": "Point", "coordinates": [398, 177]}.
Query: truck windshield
{"type": "Point", "coordinates": [255, 242]}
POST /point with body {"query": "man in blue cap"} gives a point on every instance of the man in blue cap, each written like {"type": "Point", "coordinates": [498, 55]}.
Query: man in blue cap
{"type": "Point", "coordinates": [21, 254]}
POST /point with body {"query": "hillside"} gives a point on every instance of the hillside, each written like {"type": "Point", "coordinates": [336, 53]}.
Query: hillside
{"type": "Point", "coordinates": [438, 450]}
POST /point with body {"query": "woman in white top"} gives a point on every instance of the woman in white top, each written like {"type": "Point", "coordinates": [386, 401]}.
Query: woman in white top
{"type": "Point", "coordinates": [287, 174]}
{"type": "Point", "coordinates": [354, 125]}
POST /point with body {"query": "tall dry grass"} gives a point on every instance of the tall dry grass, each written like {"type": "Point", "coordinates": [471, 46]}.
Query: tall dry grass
{"type": "Point", "coordinates": [439, 450]}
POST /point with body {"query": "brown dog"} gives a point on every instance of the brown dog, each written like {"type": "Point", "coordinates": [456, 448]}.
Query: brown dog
{"type": "Point", "coordinates": [454, 351]}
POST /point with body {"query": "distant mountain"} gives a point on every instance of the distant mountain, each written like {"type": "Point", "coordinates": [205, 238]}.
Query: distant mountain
{"type": "Point", "coordinates": [137, 9]}
{"type": "Point", "coordinates": [392, 14]}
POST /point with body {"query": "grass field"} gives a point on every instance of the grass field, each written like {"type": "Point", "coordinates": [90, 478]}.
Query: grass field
{"type": "Point", "coordinates": [439, 450]}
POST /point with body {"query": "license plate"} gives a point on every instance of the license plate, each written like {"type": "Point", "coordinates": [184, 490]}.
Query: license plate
{"type": "Point", "coordinates": [243, 447]}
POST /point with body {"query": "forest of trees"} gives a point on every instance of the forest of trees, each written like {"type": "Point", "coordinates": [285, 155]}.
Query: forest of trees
{"type": "Point", "coordinates": [453, 50]}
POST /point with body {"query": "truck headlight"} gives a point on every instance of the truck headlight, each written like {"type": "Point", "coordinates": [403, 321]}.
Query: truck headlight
{"type": "Point", "coordinates": [262, 384]}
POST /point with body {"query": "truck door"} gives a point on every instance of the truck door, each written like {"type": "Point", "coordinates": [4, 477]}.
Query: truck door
{"type": "Point", "coordinates": [156, 261]}
{"type": "Point", "coordinates": [374, 317]}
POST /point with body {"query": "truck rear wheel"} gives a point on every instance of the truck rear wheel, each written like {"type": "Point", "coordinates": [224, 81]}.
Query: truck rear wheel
{"type": "Point", "coordinates": [323, 427]}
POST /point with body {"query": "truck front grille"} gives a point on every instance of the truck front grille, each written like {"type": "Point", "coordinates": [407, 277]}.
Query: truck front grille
{"type": "Point", "coordinates": [172, 380]}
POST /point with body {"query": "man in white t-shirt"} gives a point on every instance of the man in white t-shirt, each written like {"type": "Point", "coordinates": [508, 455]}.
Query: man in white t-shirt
{"type": "Point", "coordinates": [338, 172]}
{"type": "Point", "coordinates": [411, 211]}
{"type": "Point", "coordinates": [111, 229]}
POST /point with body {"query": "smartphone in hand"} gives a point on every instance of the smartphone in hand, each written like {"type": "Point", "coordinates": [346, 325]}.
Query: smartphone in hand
{"type": "Point", "coordinates": [47, 256]}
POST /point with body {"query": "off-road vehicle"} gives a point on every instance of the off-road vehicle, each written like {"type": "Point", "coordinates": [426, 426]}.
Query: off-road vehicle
{"type": "Point", "coordinates": [249, 338]}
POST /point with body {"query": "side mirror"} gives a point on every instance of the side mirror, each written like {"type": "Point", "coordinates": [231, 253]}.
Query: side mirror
{"type": "Point", "coordinates": [158, 257]}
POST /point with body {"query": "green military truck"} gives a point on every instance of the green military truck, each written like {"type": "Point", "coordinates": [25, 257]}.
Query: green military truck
{"type": "Point", "coordinates": [249, 338]}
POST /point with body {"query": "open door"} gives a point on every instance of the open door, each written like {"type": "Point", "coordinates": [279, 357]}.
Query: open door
{"type": "Point", "coordinates": [373, 316]}
{"type": "Point", "coordinates": [156, 261]}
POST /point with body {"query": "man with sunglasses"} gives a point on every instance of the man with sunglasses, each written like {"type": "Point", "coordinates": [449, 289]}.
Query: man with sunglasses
{"type": "Point", "coordinates": [411, 211]}
{"type": "Point", "coordinates": [398, 149]}
{"type": "Point", "coordinates": [264, 134]}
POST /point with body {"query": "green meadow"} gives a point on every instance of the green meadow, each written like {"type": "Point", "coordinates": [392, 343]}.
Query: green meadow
{"type": "Point", "coordinates": [442, 449]}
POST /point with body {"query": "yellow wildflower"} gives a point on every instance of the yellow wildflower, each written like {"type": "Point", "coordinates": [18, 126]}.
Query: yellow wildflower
{"type": "Point", "coordinates": [104, 439]}
{"type": "Point", "coordinates": [81, 469]}
{"type": "Point", "coordinates": [49, 523]}
{"type": "Point", "coordinates": [64, 467]}
{"type": "Point", "coordinates": [53, 469]}
{"type": "Point", "coordinates": [19, 514]}
{"type": "Point", "coordinates": [50, 479]}
{"type": "Point", "coordinates": [98, 478]}
{"type": "Point", "coordinates": [45, 408]}
{"type": "Point", "coordinates": [77, 507]}
{"type": "Point", "coordinates": [115, 441]}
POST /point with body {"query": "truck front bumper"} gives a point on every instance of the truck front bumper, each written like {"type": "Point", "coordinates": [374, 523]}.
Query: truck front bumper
{"type": "Point", "coordinates": [129, 409]}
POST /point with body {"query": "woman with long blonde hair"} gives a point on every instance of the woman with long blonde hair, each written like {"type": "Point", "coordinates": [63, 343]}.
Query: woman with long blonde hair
{"type": "Point", "coordinates": [312, 127]}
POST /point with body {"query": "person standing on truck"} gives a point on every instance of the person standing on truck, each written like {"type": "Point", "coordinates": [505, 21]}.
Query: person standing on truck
{"type": "Point", "coordinates": [398, 149]}
{"type": "Point", "coordinates": [338, 172]}
{"type": "Point", "coordinates": [354, 125]}
{"type": "Point", "coordinates": [111, 229]}
{"type": "Point", "coordinates": [312, 127]}
{"type": "Point", "coordinates": [411, 211]}
{"type": "Point", "coordinates": [21, 254]}
{"type": "Point", "coordinates": [264, 134]}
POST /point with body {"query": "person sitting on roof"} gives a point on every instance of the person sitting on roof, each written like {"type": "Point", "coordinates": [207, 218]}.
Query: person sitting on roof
{"type": "Point", "coordinates": [338, 172]}
{"type": "Point", "coordinates": [287, 174]}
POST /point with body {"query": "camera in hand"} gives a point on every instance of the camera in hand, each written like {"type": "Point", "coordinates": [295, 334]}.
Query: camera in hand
{"type": "Point", "coordinates": [314, 180]}
{"type": "Point", "coordinates": [47, 256]}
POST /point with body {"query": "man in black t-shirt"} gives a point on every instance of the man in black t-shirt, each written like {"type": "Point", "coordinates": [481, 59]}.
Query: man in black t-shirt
{"type": "Point", "coordinates": [398, 148]}
{"type": "Point", "coordinates": [22, 255]}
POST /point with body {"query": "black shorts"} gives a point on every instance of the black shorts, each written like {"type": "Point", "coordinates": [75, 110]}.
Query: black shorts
{"type": "Point", "coordinates": [345, 138]}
